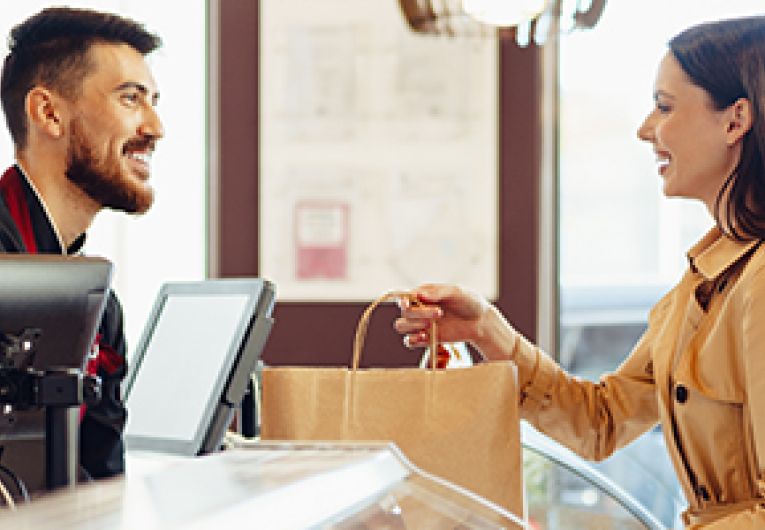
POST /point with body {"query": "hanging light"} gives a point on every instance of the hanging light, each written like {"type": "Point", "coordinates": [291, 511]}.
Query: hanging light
{"type": "Point", "coordinates": [527, 20]}
{"type": "Point", "coordinates": [503, 13]}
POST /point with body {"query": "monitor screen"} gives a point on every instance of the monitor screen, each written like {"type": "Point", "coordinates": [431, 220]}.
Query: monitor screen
{"type": "Point", "coordinates": [193, 362]}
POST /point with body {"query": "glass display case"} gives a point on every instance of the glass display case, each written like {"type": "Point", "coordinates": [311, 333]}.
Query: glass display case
{"type": "Point", "coordinates": [270, 486]}
{"type": "Point", "coordinates": [564, 492]}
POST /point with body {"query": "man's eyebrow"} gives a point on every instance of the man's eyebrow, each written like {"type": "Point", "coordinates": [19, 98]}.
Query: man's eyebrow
{"type": "Point", "coordinates": [143, 89]}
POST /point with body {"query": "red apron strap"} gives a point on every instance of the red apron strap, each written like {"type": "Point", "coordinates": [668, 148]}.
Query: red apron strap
{"type": "Point", "coordinates": [12, 191]}
{"type": "Point", "coordinates": [102, 357]}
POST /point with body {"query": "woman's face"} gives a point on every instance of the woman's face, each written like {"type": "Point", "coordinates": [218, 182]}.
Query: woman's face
{"type": "Point", "coordinates": [691, 139]}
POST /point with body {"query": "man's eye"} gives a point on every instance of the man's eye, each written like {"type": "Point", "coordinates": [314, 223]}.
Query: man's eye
{"type": "Point", "coordinates": [663, 108]}
{"type": "Point", "coordinates": [130, 98]}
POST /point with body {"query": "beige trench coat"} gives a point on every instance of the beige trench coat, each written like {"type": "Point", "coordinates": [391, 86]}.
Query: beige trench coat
{"type": "Point", "coordinates": [699, 369]}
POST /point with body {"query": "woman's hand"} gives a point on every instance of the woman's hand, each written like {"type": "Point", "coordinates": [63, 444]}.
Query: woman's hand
{"type": "Point", "coordinates": [461, 316]}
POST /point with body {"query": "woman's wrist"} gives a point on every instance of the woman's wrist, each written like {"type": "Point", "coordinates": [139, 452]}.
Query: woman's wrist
{"type": "Point", "coordinates": [495, 338]}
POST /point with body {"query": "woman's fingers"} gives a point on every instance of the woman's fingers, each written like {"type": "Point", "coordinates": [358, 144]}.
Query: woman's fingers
{"type": "Point", "coordinates": [430, 303]}
{"type": "Point", "coordinates": [409, 325]}
{"type": "Point", "coordinates": [419, 339]}
{"type": "Point", "coordinates": [415, 322]}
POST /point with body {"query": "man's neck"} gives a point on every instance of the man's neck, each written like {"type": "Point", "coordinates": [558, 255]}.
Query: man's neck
{"type": "Point", "coordinates": [70, 210]}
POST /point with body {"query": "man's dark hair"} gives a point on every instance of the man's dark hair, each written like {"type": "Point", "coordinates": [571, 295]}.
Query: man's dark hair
{"type": "Point", "coordinates": [51, 49]}
{"type": "Point", "coordinates": [727, 59]}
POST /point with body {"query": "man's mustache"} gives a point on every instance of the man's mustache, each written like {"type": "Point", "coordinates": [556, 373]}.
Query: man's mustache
{"type": "Point", "coordinates": [142, 143]}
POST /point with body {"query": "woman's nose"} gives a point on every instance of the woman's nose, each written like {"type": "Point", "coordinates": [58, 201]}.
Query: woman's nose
{"type": "Point", "coordinates": [646, 132]}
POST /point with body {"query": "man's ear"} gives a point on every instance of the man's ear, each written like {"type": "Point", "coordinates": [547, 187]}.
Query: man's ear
{"type": "Point", "coordinates": [43, 112]}
{"type": "Point", "coordinates": [739, 120]}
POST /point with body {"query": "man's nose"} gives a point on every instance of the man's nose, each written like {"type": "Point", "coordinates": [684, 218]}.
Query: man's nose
{"type": "Point", "coordinates": [151, 124]}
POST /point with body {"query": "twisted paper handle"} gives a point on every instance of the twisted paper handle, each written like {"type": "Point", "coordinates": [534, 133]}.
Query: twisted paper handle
{"type": "Point", "coordinates": [361, 328]}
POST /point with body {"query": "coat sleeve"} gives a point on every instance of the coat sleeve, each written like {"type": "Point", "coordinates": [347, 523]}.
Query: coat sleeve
{"type": "Point", "coordinates": [591, 419]}
{"type": "Point", "coordinates": [749, 519]}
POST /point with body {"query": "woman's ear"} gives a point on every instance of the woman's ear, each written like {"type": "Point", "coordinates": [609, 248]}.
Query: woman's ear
{"type": "Point", "coordinates": [739, 120]}
{"type": "Point", "coordinates": [43, 112]}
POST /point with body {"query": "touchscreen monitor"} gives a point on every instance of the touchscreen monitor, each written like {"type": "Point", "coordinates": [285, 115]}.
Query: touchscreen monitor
{"type": "Point", "coordinates": [193, 362]}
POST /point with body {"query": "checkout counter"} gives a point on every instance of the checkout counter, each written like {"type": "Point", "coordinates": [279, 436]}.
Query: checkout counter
{"type": "Point", "coordinates": [269, 486]}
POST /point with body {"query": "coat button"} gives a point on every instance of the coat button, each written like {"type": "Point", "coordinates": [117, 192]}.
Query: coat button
{"type": "Point", "coordinates": [681, 394]}
{"type": "Point", "coordinates": [702, 492]}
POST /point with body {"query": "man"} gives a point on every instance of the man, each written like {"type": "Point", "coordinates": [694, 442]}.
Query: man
{"type": "Point", "coordinates": [79, 101]}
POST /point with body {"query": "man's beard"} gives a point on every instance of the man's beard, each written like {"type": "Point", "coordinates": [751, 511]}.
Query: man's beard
{"type": "Point", "coordinates": [102, 180]}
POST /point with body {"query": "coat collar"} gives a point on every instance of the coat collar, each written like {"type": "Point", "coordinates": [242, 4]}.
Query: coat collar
{"type": "Point", "coordinates": [716, 252]}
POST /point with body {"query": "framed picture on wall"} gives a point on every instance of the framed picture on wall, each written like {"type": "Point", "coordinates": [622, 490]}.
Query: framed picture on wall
{"type": "Point", "coordinates": [378, 153]}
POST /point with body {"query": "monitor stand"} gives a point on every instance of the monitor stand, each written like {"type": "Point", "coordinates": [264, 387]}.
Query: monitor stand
{"type": "Point", "coordinates": [58, 392]}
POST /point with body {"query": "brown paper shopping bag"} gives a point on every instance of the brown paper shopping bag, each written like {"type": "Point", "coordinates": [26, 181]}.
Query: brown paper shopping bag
{"type": "Point", "coordinates": [460, 424]}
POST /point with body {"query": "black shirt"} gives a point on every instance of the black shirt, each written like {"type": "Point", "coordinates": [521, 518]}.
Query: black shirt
{"type": "Point", "coordinates": [26, 228]}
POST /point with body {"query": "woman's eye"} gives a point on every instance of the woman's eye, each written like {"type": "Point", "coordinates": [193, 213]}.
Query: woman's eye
{"type": "Point", "coordinates": [663, 108]}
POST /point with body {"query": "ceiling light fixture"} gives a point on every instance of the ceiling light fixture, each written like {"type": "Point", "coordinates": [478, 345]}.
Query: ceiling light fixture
{"type": "Point", "coordinates": [521, 20]}
{"type": "Point", "coordinates": [503, 13]}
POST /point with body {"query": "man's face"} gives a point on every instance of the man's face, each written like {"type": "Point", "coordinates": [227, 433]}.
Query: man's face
{"type": "Point", "coordinates": [113, 130]}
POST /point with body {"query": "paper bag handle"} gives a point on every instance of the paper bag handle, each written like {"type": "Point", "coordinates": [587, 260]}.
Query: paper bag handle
{"type": "Point", "coordinates": [361, 328]}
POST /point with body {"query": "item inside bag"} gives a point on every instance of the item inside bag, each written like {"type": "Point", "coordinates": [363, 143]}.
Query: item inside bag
{"type": "Point", "coordinates": [448, 355]}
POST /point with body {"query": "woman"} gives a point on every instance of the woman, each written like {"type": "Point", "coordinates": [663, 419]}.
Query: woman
{"type": "Point", "coordinates": [699, 368]}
